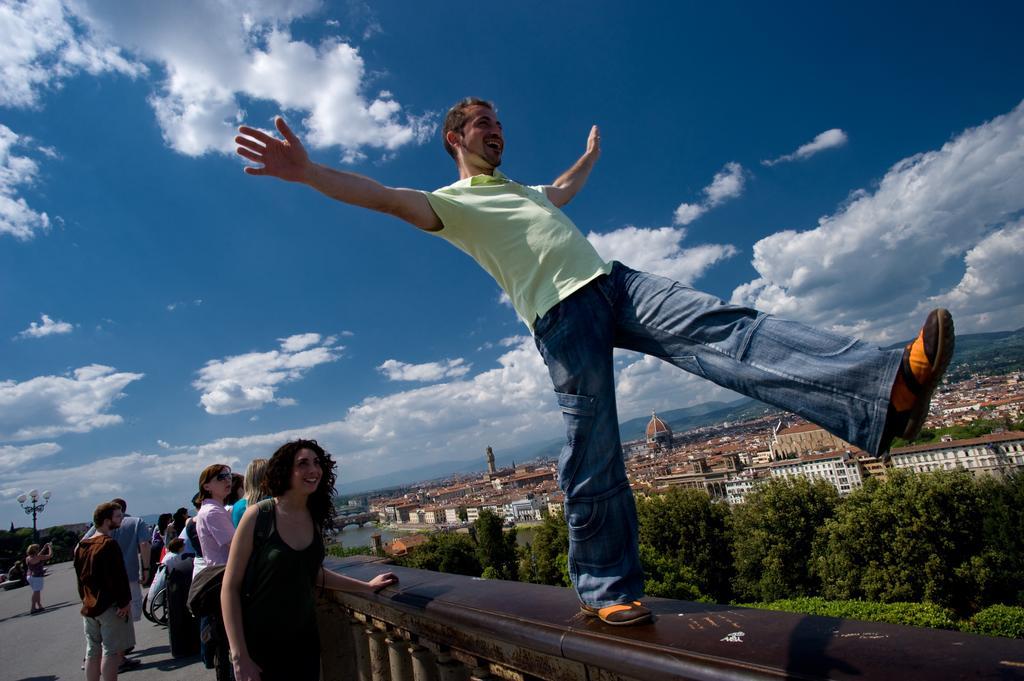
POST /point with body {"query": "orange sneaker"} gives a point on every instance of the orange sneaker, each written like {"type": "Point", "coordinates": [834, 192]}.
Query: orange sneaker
{"type": "Point", "coordinates": [924, 362]}
{"type": "Point", "coordinates": [620, 614]}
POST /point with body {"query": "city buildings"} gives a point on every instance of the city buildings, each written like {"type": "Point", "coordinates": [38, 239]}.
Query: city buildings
{"type": "Point", "coordinates": [730, 460]}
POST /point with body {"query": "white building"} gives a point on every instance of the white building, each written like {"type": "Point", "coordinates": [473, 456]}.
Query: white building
{"type": "Point", "coordinates": [839, 469]}
{"type": "Point", "coordinates": [524, 510]}
{"type": "Point", "coordinates": [995, 454]}
{"type": "Point", "coordinates": [743, 483]}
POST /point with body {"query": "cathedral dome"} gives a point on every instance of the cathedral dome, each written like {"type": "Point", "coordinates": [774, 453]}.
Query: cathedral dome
{"type": "Point", "coordinates": [657, 429]}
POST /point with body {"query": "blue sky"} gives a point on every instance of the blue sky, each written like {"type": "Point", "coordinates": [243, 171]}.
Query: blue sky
{"type": "Point", "coordinates": [848, 166]}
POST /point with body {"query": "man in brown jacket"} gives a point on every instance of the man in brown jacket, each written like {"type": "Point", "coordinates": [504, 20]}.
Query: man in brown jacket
{"type": "Point", "coordinates": [106, 596]}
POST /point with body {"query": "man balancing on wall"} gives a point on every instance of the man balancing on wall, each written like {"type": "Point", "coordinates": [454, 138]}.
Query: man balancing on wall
{"type": "Point", "coordinates": [580, 307]}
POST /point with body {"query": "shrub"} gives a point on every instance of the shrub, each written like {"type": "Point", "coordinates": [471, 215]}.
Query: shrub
{"type": "Point", "coordinates": [998, 620]}
{"type": "Point", "coordinates": [910, 614]}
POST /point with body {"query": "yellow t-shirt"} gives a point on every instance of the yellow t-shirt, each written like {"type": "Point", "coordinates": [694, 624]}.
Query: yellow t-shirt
{"type": "Point", "coordinates": [534, 252]}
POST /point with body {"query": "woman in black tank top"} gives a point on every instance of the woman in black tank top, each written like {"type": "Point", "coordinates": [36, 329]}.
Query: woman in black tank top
{"type": "Point", "coordinates": [276, 561]}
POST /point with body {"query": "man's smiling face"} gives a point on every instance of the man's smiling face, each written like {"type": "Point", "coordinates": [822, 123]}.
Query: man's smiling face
{"type": "Point", "coordinates": [482, 135]}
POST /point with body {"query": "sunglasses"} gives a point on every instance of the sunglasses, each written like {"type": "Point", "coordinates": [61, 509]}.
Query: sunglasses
{"type": "Point", "coordinates": [222, 476]}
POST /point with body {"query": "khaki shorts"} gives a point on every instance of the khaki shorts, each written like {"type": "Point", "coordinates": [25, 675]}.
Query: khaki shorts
{"type": "Point", "coordinates": [115, 634]}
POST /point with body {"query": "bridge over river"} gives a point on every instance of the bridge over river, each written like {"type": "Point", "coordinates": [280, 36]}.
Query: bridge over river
{"type": "Point", "coordinates": [360, 519]}
{"type": "Point", "coordinates": [438, 627]}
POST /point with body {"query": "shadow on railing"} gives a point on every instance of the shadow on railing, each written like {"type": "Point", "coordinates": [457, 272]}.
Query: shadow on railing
{"type": "Point", "coordinates": [440, 627]}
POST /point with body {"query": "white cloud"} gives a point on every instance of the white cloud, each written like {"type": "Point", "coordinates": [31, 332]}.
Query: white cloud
{"type": "Point", "coordinates": [658, 251]}
{"type": "Point", "coordinates": [829, 139]}
{"type": "Point", "coordinates": [13, 457]}
{"type": "Point", "coordinates": [646, 383]}
{"type": "Point", "coordinates": [48, 327]}
{"type": "Point", "coordinates": [16, 217]}
{"type": "Point", "coordinates": [868, 268]}
{"type": "Point", "coordinates": [299, 342]}
{"type": "Point", "coordinates": [509, 405]}
{"type": "Point", "coordinates": [249, 381]}
{"type": "Point", "coordinates": [426, 373]}
{"type": "Point", "coordinates": [727, 184]}
{"type": "Point", "coordinates": [214, 56]}
{"type": "Point", "coordinates": [990, 296]}
{"type": "Point", "coordinates": [688, 212]}
{"type": "Point", "coordinates": [44, 43]}
{"type": "Point", "coordinates": [169, 481]}
{"type": "Point", "coordinates": [171, 307]}
{"type": "Point", "coordinates": [47, 406]}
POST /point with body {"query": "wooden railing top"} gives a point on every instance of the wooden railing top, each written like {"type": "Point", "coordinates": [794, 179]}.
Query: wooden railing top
{"type": "Point", "coordinates": [686, 641]}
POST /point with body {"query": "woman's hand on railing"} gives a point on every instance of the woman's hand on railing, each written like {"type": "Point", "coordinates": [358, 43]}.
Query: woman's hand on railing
{"type": "Point", "coordinates": [382, 580]}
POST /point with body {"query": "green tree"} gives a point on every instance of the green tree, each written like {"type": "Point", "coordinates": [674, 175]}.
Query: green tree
{"type": "Point", "coordinates": [685, 545]}
{"type": "Point", "coordinates": [463, 514]}
{"type": "Point", "coordinates": [449, 552]}
{"type": "Point", "coordinates": [340, 551]}
{"type": "Point", "coordinates": [63, 541]}
{"type": "Point", "coordinates": [495, 548]}
{"type": "Point", "coordinates": [546, 559]}
{"type": "Point", "coordinates": [773, 534]}
{"type": "Point", "coordinates": [915, 537]}
{"type": "Point", "coordinates": [998, 572]}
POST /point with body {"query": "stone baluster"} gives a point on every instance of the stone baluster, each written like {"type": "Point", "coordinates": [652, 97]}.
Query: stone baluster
{"type": "Point", "coordinates": [380, 669]}
{"type": "Point", "coordinates": [362, 646]}
{"type": "Point", "coordinates": [450, 669]}
{"type": "Point", "coordinates": [399, 658]}
{"type": "Point", "coordinates": [337, 648]}
{"type": "Point", "coordinates": [423, 666]}
{"type": "Point", "coordinates": [482, 673]}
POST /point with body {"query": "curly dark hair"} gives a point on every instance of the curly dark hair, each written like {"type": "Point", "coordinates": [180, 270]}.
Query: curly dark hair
{"type": "Point", "coordinates": [279, 479]}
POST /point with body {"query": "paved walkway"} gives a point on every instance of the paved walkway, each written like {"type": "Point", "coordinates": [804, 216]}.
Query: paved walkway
{"type": "Point", "coordinates": [49, 646]}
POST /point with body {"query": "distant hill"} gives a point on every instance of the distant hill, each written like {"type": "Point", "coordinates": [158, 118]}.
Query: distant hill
{"type": "Point", "coordinates": [988, 353]}
{"type": "Point", "coordinates": [985, 353]}
{"type": "Point", "coordinates": [992, 353]}
{"type": "Point", "coordinates": [679, 420]}
{"type": "Point", "coordinates": [706, 414]}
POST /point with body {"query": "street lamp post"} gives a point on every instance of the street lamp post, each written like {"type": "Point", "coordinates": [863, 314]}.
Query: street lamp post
{"type": "Point", "coordinates": [33, 503]}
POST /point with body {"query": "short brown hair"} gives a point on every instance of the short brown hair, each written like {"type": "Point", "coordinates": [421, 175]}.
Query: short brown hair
{"type": "Point", "coordinates": [456, 118]}
{"type": "Point", "coordinates": [104, 512]}
{"type": "Point", "coordinates": [176, 545]}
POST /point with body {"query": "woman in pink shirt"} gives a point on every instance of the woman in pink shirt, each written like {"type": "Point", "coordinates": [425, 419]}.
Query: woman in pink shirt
{"type": "Point", "coordinates": [213, 523]}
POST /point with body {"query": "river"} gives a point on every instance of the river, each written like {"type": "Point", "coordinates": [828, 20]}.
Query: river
{"type": "Point", "coordinates": [361, 536]}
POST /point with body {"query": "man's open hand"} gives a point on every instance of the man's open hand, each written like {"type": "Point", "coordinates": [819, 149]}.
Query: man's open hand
{"type": "Point", "coordinates": [594, 142]}
{"type": "Point", "coordinates": [286, 159]}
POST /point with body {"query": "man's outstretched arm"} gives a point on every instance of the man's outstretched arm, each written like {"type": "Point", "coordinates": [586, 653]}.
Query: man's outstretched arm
{"type": "Point", "coordinates": [287, 159]}
{"type": "Point", "coordinates": [573, 179]}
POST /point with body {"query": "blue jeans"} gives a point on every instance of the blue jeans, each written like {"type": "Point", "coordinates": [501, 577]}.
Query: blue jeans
{"type": "Point", "coordinates": [839, 383]}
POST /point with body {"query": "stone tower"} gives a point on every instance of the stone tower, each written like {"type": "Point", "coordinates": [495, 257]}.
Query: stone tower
{"type": "Point", "coordinates": [490, 461]}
